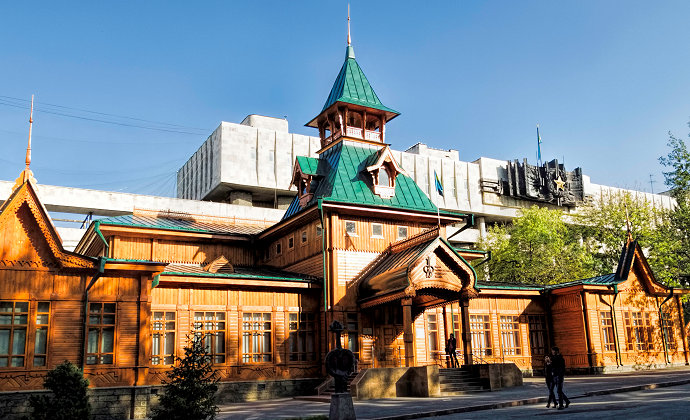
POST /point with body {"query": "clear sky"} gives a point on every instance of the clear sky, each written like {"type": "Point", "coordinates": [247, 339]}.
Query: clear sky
{"type": "Point", "coordinates": [127, 91]}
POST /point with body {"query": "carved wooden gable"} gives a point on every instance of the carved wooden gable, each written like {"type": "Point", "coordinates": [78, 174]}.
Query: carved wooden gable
{"type": "Point", "coordinates": [28, 238]}
{"type": "Point", "coordinates": [441, 268]}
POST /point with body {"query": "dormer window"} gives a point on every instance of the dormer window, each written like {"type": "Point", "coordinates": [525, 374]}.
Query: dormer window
{"type": "Point", "coordinates": [304, 173]}
{"type": "Point", "coordinates": [383, 173]}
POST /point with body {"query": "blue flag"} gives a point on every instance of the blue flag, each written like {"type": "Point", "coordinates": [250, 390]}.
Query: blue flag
{"type": "Point", "coordinates": [439, 186]}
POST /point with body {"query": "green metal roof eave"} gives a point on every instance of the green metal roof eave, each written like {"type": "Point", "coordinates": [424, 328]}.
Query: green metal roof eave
{"type": "Point", "coordinates": [472, 251]}
{"type": "Point", "coordinates": [391, 206]}
{"type": "Point", "coordinates": [239, 276]}
{"type": "Point", "coordinates": [517, 286]}
{"type": "Point", "coordinates": [174, 228]}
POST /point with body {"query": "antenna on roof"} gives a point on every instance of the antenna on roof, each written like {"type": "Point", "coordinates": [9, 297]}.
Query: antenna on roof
{"type": "Point", "coordinates": [31, 121]}
{"type": "Point", "coordinates": [349, 39]}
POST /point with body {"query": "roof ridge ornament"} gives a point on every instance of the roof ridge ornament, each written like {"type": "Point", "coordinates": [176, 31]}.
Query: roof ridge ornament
{"type": "Point", "coordinates": [349, 39]}
{"type": "Point", "coordinates": [26, 175]}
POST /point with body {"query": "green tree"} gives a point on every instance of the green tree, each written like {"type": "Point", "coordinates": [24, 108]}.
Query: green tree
{"type": "Point", "coordinates": [602, 224]}
{"type": "Point", "coordinates": [537, 248]}
{"type": "Point", "coordinates": [68, 401]}
{"type": "Point", "coordinates": [190, 391]}
{"type": "Point", "coordinates": [678, 179]}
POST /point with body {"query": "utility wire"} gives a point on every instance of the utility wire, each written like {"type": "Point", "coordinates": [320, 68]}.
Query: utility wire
{"type": "Point", "coordinates": [107, 114]}
{"type": "Point", "coordinates": [100, 120]}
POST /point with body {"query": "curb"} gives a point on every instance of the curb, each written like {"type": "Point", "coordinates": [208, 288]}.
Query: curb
{"type": "Point", "coordinates": [530, 401]}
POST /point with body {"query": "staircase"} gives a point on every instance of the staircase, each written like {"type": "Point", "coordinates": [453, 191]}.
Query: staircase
{"type": "Point", "coordinates": [458, 381]}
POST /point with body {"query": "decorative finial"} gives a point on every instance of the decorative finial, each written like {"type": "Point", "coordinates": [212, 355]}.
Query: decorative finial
{"type": "Point", "coordinates": [31, 122]}
{"type": "Point", "coordinates": [27, 175]}
{"type": "Point", "coordinates": [349, 39]}
{"type": "Point", "coordinates": [627, 220]}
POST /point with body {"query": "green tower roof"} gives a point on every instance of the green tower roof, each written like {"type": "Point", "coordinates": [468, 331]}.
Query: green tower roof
{"type": "Point", "coordinates": [352, 87]}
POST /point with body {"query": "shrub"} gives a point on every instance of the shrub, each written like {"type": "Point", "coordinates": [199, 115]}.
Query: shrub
{"type": "Point", "coordinates": [68, 400]}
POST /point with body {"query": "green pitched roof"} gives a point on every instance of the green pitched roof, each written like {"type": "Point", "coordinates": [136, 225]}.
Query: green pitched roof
{"type": "Point", "coordinates": [346, 180]}
{"type": "Point", "coordinates": [308, 165]}
{"type": "Point", "coordinates": [352, 86]}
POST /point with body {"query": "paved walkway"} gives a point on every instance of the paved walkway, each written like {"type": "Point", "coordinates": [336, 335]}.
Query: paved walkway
{"type": "Point", "coordinates": [533, 391]}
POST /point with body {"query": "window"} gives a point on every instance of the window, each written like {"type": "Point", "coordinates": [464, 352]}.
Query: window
{"type": "Point", "coordinates": [432, 331]}
{"type": "Point", "coordinates": [302, 327]}
{"type": "Point", "coordinates": [304, 237]}
{"type": "Point", "coordinates": [480, 329]}
{"type": "Point", "coordinates": [163, 338]}
{"type": "Point", "coordinates": [319, 230]}
{"type": "Point", "coordinates": [607, 336]}
{"type": "Point", "coordinates": [537, 334]}
{"type": "Point", "coordinates": [351, 228]}
{"type": "Point", "coordinates": [291, 242]}
{"type": "Point", "coordinates": [376, 230]}
{"type": "Point", "coordinates": [14, 318]}
{"type": "Point", "coordinates": [649, 332]}
{"type": "Point", "coordinates": [402, 232]}
{"type": "Point", "coordinates": [636, 330]}
{"type": "Point", "coordinates": [211, 326]}
{"type": "Point", "coordinates": [667, 330]}
{"type": "Point", "coordinates": [384, 177]}
{"type": "Point", "coordinates": [41, 334]}
{"type": "Point", "coordinates": [256, 337]}
{"type": "Point", "coordinates": [353, 333]}
{"type": "Point", "coordinates": [510, 335]}
{"type": "Point", "coordinates": [279, 248]}
{"type": "Point", "coordinates": [101, 335]}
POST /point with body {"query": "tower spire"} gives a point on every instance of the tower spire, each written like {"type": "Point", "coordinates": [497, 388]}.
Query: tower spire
{"type": "Point", "coordinates": [349, 38]}
{"type": "Point", "coordinates": [27, 175]}
{"type": "Point", "coordinates": [31, 122]}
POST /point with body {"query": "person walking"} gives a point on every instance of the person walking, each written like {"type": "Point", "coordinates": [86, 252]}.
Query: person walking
{"type": "Point", "coordinates": [558, 364]}
{"type": "Point", "coordinates": [548, 373]}
{"type": "Point", "coordinates": [451, 346]}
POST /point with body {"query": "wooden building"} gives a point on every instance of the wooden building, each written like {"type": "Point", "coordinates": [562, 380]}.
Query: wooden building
{"type": "Point", "coordinates": [360, 243]}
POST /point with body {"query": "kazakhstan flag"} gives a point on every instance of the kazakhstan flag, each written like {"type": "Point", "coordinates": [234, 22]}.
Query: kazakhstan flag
{"type": "Point", "coordinates": [439, 186]}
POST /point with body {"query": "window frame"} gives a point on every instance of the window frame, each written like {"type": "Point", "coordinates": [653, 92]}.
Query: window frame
{"type": "Point", "coordinates": [347, 230]}
{"type": "Point", "coordinates": [537, 333]}
{"type": "Point", "coordinates": [481, 338]}
{"type": "Point", "coordinates": [301, 335]}
{"type": "Point", "coordinates": [608, 343]}
{"type": "Point", "coordinates": [373, 235]}
{"type": "Point", "coordinates": [304, 237]}
{"type": "Point", "coordinates": [101, 357]}
{"type": "Point", "coordinates": [279, 248]}
{"type": "Point", "coordinates": [163, 332]}
{"type": "Point", "coordinates": [432, 334]}
{"type": "Point", "coordinates": [218, 327]}
{"type": "Point", "coordinates": [511, 337]}
{"type": "Point", "coordinates": [291, 242]}
{"type": "Point", "coordinates": [39, 325]}
{"type": "Point", "coordinates": [668, 330]}
{"type": "Point", "coordinates": [397, 232]}
{"type": "Point", "coordinates": [319, 230]}
{"type": "Point", "coordinates": [12, 326]}
{"type": "Point", "coordinates": [251, 356]}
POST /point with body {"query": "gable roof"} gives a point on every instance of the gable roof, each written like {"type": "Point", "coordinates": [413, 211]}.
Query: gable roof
{"type": "Point", "coordinates": [23, 202]}
{"type": "Point", "coordinates": [308, 165]}
{"type": "Point", "coordinates": [390, 272]}
{"type": "Point", "coordinates": [352, 86]}
{"type": "Point", "coordinates": [346, 180]}
{"type": "Point", "coordinates": [181, 224]}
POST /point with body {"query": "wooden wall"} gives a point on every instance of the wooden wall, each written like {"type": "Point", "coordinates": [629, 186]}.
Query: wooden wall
{"type": "Point", "coordinates": [300, 251]}
{"type": "Point", "coordinates": [178, 251]}
{"type": "Point", "coordinates": [233, 303]}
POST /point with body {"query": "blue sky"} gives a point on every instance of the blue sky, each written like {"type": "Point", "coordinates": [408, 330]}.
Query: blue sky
{"type": "Point", "coordinates": [606, 80]}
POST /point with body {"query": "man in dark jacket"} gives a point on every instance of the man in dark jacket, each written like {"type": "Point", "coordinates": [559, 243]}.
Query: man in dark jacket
{"type": "Point", "coordinates": [451, 346]}
{"type": "Point", "coordinates": [558, 367]}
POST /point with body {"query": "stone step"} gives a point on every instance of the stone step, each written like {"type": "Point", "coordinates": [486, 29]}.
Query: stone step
{"type": "Point", "coordinates": [315, 398]}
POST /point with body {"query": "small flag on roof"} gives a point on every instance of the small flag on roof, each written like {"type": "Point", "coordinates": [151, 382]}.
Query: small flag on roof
{"type": "Point", "coordinates": [439, 186]}
{"type": "Point", "coordinates": [538, 146]}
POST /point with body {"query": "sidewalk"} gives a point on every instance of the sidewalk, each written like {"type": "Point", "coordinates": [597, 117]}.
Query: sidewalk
{"type": "Point", "coordinates": [533, 391]}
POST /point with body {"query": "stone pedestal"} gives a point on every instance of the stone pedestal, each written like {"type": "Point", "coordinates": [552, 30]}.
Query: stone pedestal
{"type": "Point", "coordinates": [342, 407]}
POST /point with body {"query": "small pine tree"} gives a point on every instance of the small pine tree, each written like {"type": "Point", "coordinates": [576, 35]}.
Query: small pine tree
{"type": "Point", "coordinates": [190, 391]}
{"type": "Point", "coordinates": [69, 400]}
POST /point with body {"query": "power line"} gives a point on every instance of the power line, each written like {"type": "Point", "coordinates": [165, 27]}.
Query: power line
{"type": "Point", "coordinates": [100, 120]}
{"type": "Point", "coordinates": [107, 114]}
